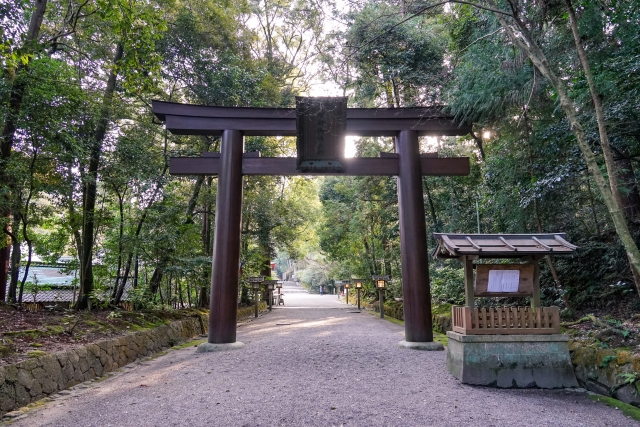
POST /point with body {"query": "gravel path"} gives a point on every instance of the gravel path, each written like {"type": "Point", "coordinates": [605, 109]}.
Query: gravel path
{"type": "Point", "coordinates": [314, 362]}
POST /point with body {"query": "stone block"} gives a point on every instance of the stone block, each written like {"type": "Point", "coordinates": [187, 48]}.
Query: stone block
{"type": "Point", "coordinates": [628, 394]}
{"type": "Point", "coordinates": [624, 357]}
{"type": "Point", "coordinates": [35, 391]}
{"type": "Point", "coordinates": [2, 376]}
{"type": "Point", "coordinates": [585, 356]}
{"type": "Point", "coordinates": [89, 374]}
{"type": "Point", "coordinates": [83, 364]}
{"type": "Point", "coordinates": [62, 357]}
{"type": "Point", "coordinates": [97, 367]}
{"type": "Point", "coordinates": [596, 387]}
{"type": "Point", "coordinates": [67, 371]}
{"type": "Point", "coordinates": [78, 375]}
{"type": "Point", "coordinates": [90, 358]}
{"type": "Point", "coordinates": [51, 366]}
{"type": "Point", "coordinates": [94, 349]}
{"type": "Point", "coordinates": [49, 385]}
{"type": "Point", "coordinates": [506, 361]}
{"type": "Point", "coordinates": [73, 356]}
{"type": "Point", "coordinates": [82, 352]}
{"type": "Point", "coordinates": [7, 397]}
{"type": "Point", "coordinates": [29, 364]}
{"type": "Point", "coordinates": [22, 396]}
{"type": "Point", "coordinates": [25, 378]}
{"type": "Point", "coordinates": [603, 353]}
{"type": "Point", "coordinates": [11, 373]}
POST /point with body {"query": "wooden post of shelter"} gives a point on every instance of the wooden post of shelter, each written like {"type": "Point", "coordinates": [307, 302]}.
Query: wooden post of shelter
{"type": "Point", "coordinates": [233, 123]}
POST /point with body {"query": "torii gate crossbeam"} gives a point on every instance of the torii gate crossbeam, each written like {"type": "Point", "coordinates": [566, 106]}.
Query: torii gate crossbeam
{"type": "Point", "coordinates": [232, 124]}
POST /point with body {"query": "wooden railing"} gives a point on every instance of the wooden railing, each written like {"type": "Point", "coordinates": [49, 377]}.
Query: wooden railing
{"type": "Point", "coordinates": [506, 320]}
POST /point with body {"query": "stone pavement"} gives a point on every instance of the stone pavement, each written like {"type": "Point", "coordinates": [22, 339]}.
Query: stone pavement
{"type": "Point", "coordinates": [313, 362]}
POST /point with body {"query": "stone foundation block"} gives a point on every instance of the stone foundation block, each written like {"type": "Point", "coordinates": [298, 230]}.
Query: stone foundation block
{"type": "Point", "coordinates": [506, 361]}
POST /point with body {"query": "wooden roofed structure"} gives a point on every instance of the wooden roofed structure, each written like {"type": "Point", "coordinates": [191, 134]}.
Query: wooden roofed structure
{"type": "Point", "coordinates": [455, 245]}
{"type": "Point", "coordinates": [503, 280]}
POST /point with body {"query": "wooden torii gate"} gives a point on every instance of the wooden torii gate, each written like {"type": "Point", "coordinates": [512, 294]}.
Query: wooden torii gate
{"type": "Point", "coordinates": [234, 123]}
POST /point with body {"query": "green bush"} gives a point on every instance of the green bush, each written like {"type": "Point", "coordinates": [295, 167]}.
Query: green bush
{"type": "Point", "coordinates": [447, 285]}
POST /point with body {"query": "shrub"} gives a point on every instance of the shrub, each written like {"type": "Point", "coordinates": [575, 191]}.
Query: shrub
{"type": "Point", "coordinates": [447, 285]}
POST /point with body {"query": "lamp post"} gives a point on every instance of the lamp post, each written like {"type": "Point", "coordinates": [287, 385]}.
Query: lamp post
{"type": "Point", "coordinates": [381, 285]}
{"type": "Point", "coordinates": [358, 287]}
{"type": "Point", "coordinates": [279, 286]}
{"type": "Point", "coordinates": [270, 286]}
{"type": "Point", "coordinates": [256, 282]}
{"type": "Point", "coordinates": [346, 291]}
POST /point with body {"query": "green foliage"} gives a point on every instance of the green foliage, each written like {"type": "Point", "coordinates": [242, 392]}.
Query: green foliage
{"type": "Point", "coordinates": [447, 285]}
{"type": "Point", "coordinates": [608, 359]}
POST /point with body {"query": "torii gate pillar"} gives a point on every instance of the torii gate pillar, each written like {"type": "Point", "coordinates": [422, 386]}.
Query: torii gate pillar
{"type": "Point", "coordinates": [413, 242]}
{"type": "Point", "coordinates": [226, 245]}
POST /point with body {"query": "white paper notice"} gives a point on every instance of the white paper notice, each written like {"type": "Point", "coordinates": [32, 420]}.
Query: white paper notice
{"type": "Point", "coordinates": [503, 280]}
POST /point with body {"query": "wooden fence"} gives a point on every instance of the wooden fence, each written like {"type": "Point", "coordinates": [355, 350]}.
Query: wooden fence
{"type": "Point", "coordinates": [506, 320]}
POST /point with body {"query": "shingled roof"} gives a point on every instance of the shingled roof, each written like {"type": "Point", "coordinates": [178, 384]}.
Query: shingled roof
{"type": "Point", "coordinates": [454, 245]}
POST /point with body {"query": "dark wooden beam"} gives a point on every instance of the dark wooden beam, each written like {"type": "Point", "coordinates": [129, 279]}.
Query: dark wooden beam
{"type": "Point", "coordinates": [357, 166]}
{"type": "Point", "coordinates": [187, 125]}
{"type": "Point", "coordinates": [185, 119]}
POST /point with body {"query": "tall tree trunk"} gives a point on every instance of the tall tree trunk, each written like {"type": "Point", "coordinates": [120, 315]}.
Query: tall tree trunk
{"type": "Point", "coordinates": [120, 245]}
{"type": "Point", "coordinates": [630, 194]}
{"type": "Point", "coordinates": [91, 188]}
{"type": "Point", "coordinates": [521, 37]}
{"type": "Point", "coordinates": [15, 262]}
{"type": "Point", "coordinates": [203, 300]}
{"type": "Point", "coordinates": [536, 210]}
{"type": "Point", "coordinates": [4, 269]}
{"type": "Point", "coordinates": [16, 95]}
{"type": "Point", "coordinates": [120, 285]}
{"type": "Point", "coordinates": [158, 273]}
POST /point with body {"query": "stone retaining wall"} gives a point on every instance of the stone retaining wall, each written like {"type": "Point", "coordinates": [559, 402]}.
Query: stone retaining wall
{"type": "Point", "coordinates": [614, 373]}
{"type": "Point", "coordinates": [33, 379]}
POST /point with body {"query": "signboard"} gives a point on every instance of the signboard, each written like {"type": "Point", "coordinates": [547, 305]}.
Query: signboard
{"type": "Point", "coordinates": [257, 279]}
{"type": "Point", "coordinates": [504, 280]}
{"type": "Point", "coordinates": [385, 277]}
{"type": "Point", "coordinates": [320, 126]}
{"type": "Point", "coordinates": [271, 282]}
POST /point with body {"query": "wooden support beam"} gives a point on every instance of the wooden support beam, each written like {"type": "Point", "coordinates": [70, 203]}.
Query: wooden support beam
{"type": "Point", "coordinates": [357, 166]}
{"type": "Point", "coordinates": [468, 281]}
{"type": "Point", "coordinates": [535, 299]}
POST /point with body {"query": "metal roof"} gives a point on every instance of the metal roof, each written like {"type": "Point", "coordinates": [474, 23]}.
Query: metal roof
{"type": "Point", "coordinates": [454, 245]}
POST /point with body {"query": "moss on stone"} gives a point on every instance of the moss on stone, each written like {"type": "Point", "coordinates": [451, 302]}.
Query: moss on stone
{"type": "Point", "coordinates": [628, 410]}
{"type": "Point", "coordinates": [624, 357]}
{"type": "Point", "coordinates": [5, 350]}
{"type": "Point", "coordinates": [36, 353]}
{"type": "Point", "coordinates": [193, 343]}
{"type": "Point", "coordinates": [584, 356]}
